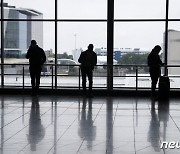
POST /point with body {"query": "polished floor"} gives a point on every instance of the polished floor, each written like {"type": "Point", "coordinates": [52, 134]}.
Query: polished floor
{"type": "Point", "coordinates": [77, 125]}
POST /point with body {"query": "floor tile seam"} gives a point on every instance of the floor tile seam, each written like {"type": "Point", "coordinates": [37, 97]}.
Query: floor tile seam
{"type": "Point", "coordinates": [134, 132]}
{"type": "Point", "coordinates": [14, 134]}
{"type": "Point", "coordinates": [60, 137]}
{"type": "Point", "coordinates": [11, 111]}
{"type": "Point", "coordinates": [15, 119]}
{"type": "Point", "coordinates": [22, 150]}
{"type": "Point", "coordinates": [86, 135]}
{"type": "Point", "coordinates": [110, 136]}
{"type": "Point", "coordinates": [95, 145]}
{"type": "Point", "coordinates": [25, 114]}
{"type": "Point", "coordinates": [54, 115]}
{"type": "Point", "coordinates": [64, 110]}
{"type": "Point", "coordinates": [24, 128]}
{"type": "Point", "coordinates": [141, 149]}
{"type": "Point", "coordinates": [160, 141]}
{"type": "Point", "coordinates": [44, 128]}
{"type": "Point", "coordinates": [62, 134]}
{"type": "Point", "coordinates": [158, 136]}
{"type": "Point", "coordinates": [174, 122]}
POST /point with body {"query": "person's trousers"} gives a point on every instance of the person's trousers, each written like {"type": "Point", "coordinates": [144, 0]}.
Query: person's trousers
{"type": "Point", "coordinates": [155, 74]}
{"type": "Point", "coordinates": [89, 73]}
{"type": "Point", "coordinates": [35, 73]}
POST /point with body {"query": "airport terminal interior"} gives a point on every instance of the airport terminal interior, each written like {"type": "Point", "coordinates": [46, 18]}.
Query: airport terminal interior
{"type": "Point", "coordinates": [121, 117]}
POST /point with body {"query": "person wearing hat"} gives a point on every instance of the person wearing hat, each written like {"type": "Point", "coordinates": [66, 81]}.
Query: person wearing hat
{"type": "Point", "coordinates": [88, 60]}
{"type": "Point", "coordinates": [37, 58]}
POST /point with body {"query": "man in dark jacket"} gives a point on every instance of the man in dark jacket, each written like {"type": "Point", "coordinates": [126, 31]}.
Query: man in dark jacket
{"type": "Point", "coordinates": [154, 63]}
{"type": "Point", "coordinates": [88, 60]}
{"type": "Point", "coordinates": [37, 58]}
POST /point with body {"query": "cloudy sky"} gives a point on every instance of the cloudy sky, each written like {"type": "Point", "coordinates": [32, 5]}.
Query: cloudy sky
{"type": "Point", "coordinates": [126, 34]}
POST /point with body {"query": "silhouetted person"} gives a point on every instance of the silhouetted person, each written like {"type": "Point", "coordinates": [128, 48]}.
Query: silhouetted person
{"type": "Point", "coordinates": [154, 63]}
{"type": "Point", "coordinates": [88, 60]}
{"type": "Point", "coordinates": [36, 129]}
{"type": "Point", "coordinates": [37, 58]}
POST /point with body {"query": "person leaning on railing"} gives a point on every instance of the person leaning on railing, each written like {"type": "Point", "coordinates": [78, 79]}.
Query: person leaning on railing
{"type": "Point", "coordinates": [88, 60]}
{"type": "Point", "coordinates": [37, 58]}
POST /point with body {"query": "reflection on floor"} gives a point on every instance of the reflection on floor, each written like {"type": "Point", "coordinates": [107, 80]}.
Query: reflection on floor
{"type": "Point", "coordinates": [77, 125]}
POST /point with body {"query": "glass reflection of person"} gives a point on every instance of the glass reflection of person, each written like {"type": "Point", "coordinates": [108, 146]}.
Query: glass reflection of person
{"type": "Point", "coordinates": [153, 134]}
{"type": "Point", "coordinates": [163, 114]}
{"type": "Point", "coordinates": [87, 131]}
{"type": "Point", "coordinates": [36, 129]}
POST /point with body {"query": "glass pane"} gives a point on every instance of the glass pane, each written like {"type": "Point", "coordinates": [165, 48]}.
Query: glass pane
{"type": "Point", "coordinates": [133, 42]}
{"type": "Point", "coordinates": [132, 9]}
{"type": "Point", "coordinates": [174, 11]}
{"type": "Point", "coordinates": [82, 9]}
{"type": "Point", "coordinates": [135, 36]}
{"type": "Point", "coordinates": [174, 47]}
{"type": "Point", "coordinates": [20, 9]}
{"type": "Point", "coordinates": [73, 38]}
{"type": "Point", "coordinates": [18, 35]}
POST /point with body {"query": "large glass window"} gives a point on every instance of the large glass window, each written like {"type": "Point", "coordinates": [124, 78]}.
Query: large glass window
{"type": "Point", "coordinates": [82, 9]}
{"type": "Point", "coordinates": [139, 25]}
{"type": "Point", "coordinates": [73, 38]}
{"type": "Point", "coordinates": [174, 12]}
{"type": "Point", "coordinates": [40, 9]}
{"type": "Point", "coordinates": [139, 9]}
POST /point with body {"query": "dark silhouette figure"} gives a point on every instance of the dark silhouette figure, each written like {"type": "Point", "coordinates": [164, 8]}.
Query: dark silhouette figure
{"type": "Point", "coordinates": [36, 129]}
{"type": "Point", "coordinates": [154, 63]}
{"type": "Point", "coordinates": [37, 58]}
{"type": "Point", "coordinates": [88, 60]}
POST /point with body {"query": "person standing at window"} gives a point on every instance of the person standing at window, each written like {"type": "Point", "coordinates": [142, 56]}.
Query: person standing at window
{"type": "Point", "coordinates": [88, 60]}
{"type": "Point", "coordinates": [37, 58]}
{"type": "Point", "coordinates": [154, 63]}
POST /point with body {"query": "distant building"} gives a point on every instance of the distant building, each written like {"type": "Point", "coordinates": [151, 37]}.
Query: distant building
{"type": "Point", "coordinates": [118, 52]}
{"type": "Point", "coordinates": [173, 57]}
{"type": "Point", "coordinates": [18, 34]}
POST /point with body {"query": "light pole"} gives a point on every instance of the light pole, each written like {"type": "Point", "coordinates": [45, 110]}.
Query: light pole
{"type": "Point", "coordinates": [75, 40]}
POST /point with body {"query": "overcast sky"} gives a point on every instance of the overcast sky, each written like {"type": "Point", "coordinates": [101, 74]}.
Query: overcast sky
{"type": "Point", "coordinates": [126, 34]}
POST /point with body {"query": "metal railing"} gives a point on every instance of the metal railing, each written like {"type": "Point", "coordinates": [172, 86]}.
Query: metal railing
{"type": "Point", "coordinates": [69, 76]}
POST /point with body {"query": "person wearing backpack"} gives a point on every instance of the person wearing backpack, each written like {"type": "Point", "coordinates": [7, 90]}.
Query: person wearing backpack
{"type": "Point", "coordinates": [88, 60]}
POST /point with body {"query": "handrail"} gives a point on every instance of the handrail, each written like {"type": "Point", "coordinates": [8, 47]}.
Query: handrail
{"type": "Point", "coordinates": [134, 74]}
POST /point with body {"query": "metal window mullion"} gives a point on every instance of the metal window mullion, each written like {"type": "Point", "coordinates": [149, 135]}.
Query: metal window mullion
{"type": "Point", "coordinates": [110, 44]}
{"type": "Point", "coordinates": [56, 24]}
{"type": "Point", "coordinates": [2, 44]}
{"type": "Point", "coordinates": [166, 36]}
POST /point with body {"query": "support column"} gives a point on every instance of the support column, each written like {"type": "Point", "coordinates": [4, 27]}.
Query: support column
{"type": "Point", "coordinates": [110, 44]}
